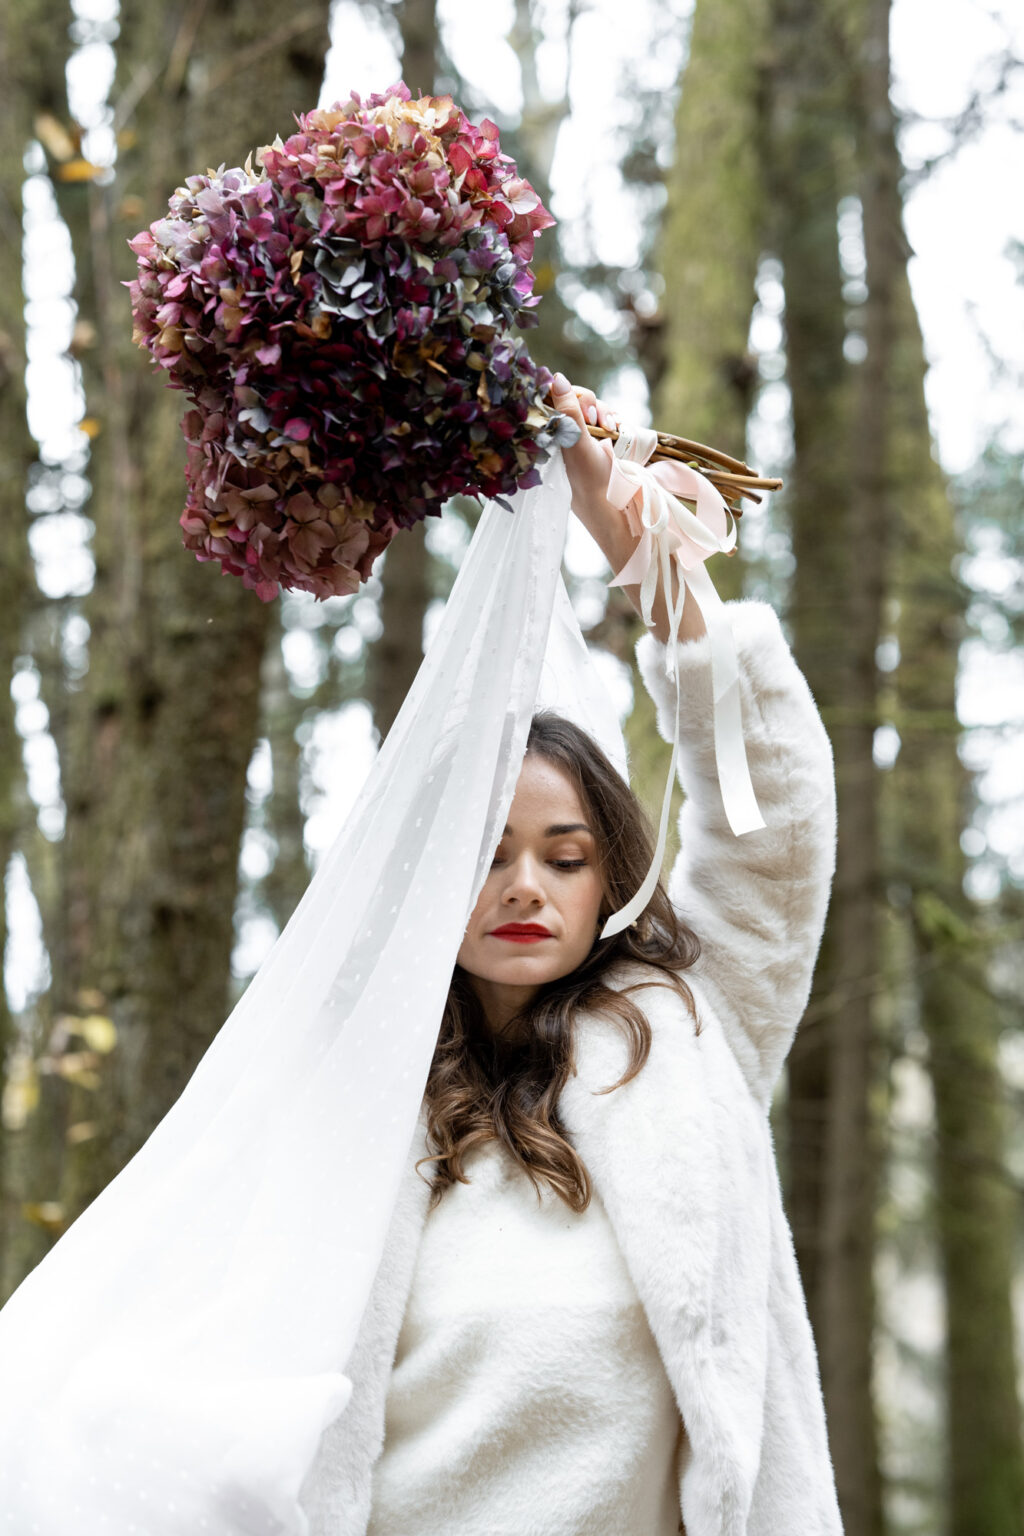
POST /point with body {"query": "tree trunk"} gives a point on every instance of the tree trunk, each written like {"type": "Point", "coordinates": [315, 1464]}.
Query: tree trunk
{"type": "Point", "coordinates": [714, 229]}
{"type": "Point", "coordinates": [164, 726]}
{"type": "Point", "coordinates": [707, 254]}
{"type": "Point", "coordinates": [282, 715]}
{"type": "Point", "coordinates": [32, 58]}
{"type": "Point", "coordinates": [976, 1208]}
{"type": "Point", "coordinates": [837, 522]}
{"type": "Point", "coordinates": [713, 237]}
{"type": "Point", "coordinates": [804, 188]}
{"type": "Point", "coordinates": [532, 144]}
{"type": "Point", "coordinates": [16, 454]}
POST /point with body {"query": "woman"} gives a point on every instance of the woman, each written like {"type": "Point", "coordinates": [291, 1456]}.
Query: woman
{"type": "Point", "coordinates": [589, 1319]}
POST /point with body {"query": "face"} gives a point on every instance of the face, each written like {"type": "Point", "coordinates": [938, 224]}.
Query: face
{"type": "Point", "coordinates": [537, 915]}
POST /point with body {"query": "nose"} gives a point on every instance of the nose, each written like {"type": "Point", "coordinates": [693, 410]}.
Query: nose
{"type": "Point", "coordinates": [523, 885]}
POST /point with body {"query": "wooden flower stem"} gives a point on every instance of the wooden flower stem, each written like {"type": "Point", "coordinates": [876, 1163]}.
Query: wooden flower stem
{"type": "Point", "coordinates": [730, 476]}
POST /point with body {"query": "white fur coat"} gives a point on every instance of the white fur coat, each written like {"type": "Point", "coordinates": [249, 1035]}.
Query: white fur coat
{"type": "Point", "coordinates": [682, 1155]}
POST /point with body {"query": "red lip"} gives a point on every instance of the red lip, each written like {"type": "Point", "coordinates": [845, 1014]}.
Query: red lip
{"type": "Point", "coordinates": [521, 933]}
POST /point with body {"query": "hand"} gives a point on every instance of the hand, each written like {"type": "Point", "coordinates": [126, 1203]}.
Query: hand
{"type": "Point", "coordinates": [586, 462]}
{"type": "Point", "coordinates": [587, 465]}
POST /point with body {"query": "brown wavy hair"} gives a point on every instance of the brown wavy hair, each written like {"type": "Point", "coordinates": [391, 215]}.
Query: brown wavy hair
{"type": "Point", "coordinates": [483, 1088]}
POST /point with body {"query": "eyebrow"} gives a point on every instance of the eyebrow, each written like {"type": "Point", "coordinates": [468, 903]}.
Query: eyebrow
{"type": "Point", "coordinates": [561, 829]}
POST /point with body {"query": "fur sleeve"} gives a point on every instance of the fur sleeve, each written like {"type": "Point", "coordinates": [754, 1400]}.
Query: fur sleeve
{"type": "Point", "coordinates": [757, 902]}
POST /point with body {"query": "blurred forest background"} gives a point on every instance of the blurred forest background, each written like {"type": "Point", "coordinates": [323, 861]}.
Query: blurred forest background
{"type": "Point", "coordinates": [168, 744]}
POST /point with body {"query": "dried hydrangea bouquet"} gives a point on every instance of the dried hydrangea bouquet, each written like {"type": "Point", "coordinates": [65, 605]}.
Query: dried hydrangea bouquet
{"type": "Point", "coordinates": [342, 319]}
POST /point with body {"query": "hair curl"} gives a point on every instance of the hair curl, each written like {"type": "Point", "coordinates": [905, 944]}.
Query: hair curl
{"type": "Point", "coordinates": [482, 1088]}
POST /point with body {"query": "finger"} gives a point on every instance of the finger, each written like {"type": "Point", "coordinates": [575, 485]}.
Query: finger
{"type": "Point", "coordinates": [588, 403]}
{"type": "Point", "coordinates": [566, 399]}
{"type": "Point", "coordinates": [582, 404]}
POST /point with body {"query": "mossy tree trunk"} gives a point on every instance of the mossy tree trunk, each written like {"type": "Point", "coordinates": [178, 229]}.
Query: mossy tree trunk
{"type": "Point", "coordinates": [714, 231]}
{"type": "Point", "coordinates": [765, 139]}
{"type": "Point", "coordinates": [713, 237]}
{"type": "Point", "coordinates": [707, 253]}
{"type": "Point", "coordinates": [33, 50]}
{"type": "Point", "coordinates": [977, 1208]}
{"type": "Point", "coordinates": [163, 728]}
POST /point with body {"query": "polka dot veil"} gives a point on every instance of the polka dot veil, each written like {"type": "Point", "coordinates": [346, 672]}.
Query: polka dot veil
{"type": "Point", "coordinates": [170, 1366]}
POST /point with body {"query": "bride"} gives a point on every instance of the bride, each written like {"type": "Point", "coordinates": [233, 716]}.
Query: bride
{"type": "Point", "coordinates": [527, 1273]}
{"type": "Point", "coordinates": [588, 1320]}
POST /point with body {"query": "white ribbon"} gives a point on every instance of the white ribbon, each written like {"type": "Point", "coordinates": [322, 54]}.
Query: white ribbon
{"type": "Point", "coordinates": [670, 531]}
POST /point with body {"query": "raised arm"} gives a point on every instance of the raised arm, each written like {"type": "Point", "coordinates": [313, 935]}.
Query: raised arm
{"type": "Point", "coordinates": [757, 902]}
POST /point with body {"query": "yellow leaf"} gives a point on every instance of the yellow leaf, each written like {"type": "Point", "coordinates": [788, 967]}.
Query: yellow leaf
{"type": "Point", "coordinates": [83, 1130]}
{"type": "Point", "coordinates": [45, 1213]}
{"type": "Point", "coordinates": [75, 1067]}
{"type": "Point", "coordinates": [54, 137]}
{"type": "Point", "coordinates": [82, 1077]}
{"type": "Point", "coordinates": [78, 170]}
{"type": "Point", "coordinates": [98, 1032]}
{"type": "Point", "coordinates": [91, 426]}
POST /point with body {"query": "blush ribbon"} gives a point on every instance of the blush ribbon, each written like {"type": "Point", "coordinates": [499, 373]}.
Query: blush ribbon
{"type": "Point", "coordinates": [668, 531]}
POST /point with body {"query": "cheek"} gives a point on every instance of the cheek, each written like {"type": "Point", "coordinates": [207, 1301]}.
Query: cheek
{"type": "Point", "coordinates": [584, 906]}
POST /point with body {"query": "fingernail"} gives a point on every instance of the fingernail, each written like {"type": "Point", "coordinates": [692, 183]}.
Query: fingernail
{"type": "Point", "coordinates": [592, 415]}
{"type": "Point", "coordinates": [560, 385]}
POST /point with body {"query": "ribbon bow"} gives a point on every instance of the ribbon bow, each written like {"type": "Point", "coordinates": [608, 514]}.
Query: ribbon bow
{"type": "Point", "coordinates": [670, 531]}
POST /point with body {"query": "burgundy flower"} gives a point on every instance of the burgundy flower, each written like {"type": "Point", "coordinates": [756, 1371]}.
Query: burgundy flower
{"type": "Point", "coordinates": [342, 319]}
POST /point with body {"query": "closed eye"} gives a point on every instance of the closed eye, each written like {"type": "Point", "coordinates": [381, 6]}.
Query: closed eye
{"type": "Point", "coordinates": [557, 863]}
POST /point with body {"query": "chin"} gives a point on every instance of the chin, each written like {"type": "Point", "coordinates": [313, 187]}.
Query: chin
{"type": "Point", "coordinates": [519, 970]}
{"type": "Point", "coordinates": [524, 971]}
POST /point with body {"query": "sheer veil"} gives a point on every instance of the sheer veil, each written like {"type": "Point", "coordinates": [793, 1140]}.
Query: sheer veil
{"type": "Point", "coordinates": [170, 1366]}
